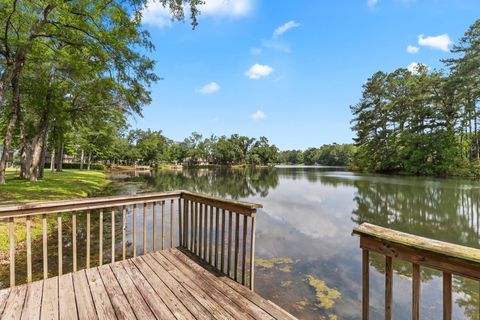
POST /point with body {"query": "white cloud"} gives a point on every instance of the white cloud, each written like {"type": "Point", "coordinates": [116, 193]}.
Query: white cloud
{"type": "Point", "coordinates": [412, 49]}
{"type": "Point", "coordinates": [156, 15]}
{"type": "Point", "coordinates": [441, 42]}
{"type": "Point", "coordinates": [372, 3]}
{"type": "Point", "coordinates": [276, 45]}
{"type": "Point", "coordinates": [209, 88]}
{"type": "Point", "coordinates": [412, 67]}
{"type": "Point", "coordinates": [258, 115]}
{"type": "Point", "coordinates": [285, 27]}
{"type": "Point", "coordinates": [258, 71]}
{"type": "Point", "coordinates": [256, 51]}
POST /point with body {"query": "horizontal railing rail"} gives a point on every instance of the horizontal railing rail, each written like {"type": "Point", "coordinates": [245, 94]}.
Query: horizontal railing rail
{"type": "Point", "coordinates": [176, 210]}
{"type": "Point", "coordinates": [448, 258]}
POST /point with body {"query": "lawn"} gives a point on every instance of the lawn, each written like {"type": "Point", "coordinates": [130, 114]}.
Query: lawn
{"type": "Point", "coordinates": [69, 184]}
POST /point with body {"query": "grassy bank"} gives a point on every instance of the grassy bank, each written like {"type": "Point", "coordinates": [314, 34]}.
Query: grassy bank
{"type": "Point", "coordinates": [69, 184]}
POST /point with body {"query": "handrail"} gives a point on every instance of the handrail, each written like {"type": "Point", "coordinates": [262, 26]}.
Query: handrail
{"type": "Point", "coordinates": [451, 259]}
{"type": "Point", "coordinates": [201, 221]}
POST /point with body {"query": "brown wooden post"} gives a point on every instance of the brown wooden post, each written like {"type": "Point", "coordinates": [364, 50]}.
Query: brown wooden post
{"type": "Point", "coordinates": [365, 284]}
{"type": "Point", "coordinates": [29, 250]}
{"type": "Point", "coordinates": [388, 287]}
{"type": "Point", "coordinates": [100, 236]}
{"type": "Point", "coordinates": [447, 296]}
{"type": "Point", "coordinates": [88, 240]}
{"type": "Point", "coordinates": [12, 251]}
{"type": "Point", "coordinates": [74, 240]}
{"type": "Point", "coordinates": [45, 246]}
{"type": "Point", "coordinates": [415, 291]}
{"type": "Point", "coordinates": [60, 244]}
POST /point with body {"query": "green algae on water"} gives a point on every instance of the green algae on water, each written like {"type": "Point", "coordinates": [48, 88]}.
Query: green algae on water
{"type": "Point", "coordinates": [326, 297]}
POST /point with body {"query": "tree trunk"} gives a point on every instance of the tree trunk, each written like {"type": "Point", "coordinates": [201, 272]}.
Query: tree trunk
{"type": "Point", "coordinates": [37, 147]}
{"type": "Point", "coordinates": [59, 161]}
{"type": "Point", "coordinates": [89, 160]}
{"type": "Point", "coordinates": [52, 159]}
{"type": "Point", "coordinates": [82, 159]}
{"type": "Point", "coordinates": [41, 170]}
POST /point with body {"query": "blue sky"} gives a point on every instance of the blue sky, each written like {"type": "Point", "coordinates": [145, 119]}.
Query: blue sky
{"type": "Point", "coordinates": [288, 70]}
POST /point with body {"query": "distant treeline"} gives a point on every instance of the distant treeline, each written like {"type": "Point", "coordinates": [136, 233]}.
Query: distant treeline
{"type": "Point", "coordinates": [423, 121]}
{"type": "Point", "coordinates": [327, 155]}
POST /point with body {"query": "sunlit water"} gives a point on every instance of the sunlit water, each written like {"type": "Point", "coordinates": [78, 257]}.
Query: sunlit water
{"type": "Point", "coordinates": [307, 218]}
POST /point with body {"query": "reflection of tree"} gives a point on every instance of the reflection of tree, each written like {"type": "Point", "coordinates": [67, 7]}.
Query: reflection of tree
{"type": "Point", "coordinates": [223, 182]}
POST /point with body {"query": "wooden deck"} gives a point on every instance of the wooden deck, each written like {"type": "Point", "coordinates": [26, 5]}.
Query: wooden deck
{"type": "Point", "coordinates": [169, 284]}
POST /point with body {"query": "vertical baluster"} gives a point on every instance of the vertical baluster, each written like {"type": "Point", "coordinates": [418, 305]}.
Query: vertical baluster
{"type": "Point", "coordinates": [113, 235]}
{"type": "Point", "coordinates": [163, 225]}
{"type": "Point", "coordinates": [195, 228]}
{"type": "Point", "coordinates": [365, 284]}
{"type": "Point", "coordinates": [216, 236]}
{"type": "Point", "coordinates": [210, 252]}
{"type": "Point", "coordinates": [29, 250]}
{"type": "Point", "coordinates": [100, 239]}
{"type": "Point", "coordinates": [237, 231]}
{"type": "Point", "coordinates": [185, 223]}
{"type": "Point", "coordinates": [222, 253]}
{"type": "Point", "coordinates": [191, 224]}
{"type": "Point", "coordinates": [145, 228]}
{"type": "Point", "coordinates": [200, 230]}
{"type": "Point", "coordinates": [88, 239]}
{"type": "Point", "coordinates": [415, 291]}
{"type": "Point", "coordinates": [172, 207]}
{"type": "Point", "coordinates": [229, 245]}
{"type": "Point", "coordinates": [124, 232]}
{"type": "Point", "coordinates": [154, 213]}
{"type": "Point", "coordinates": [180, 234]}
{"type": "Point", "coordinates": [205, 232]}
{"type": "Point", "coordinates": [388, 287]}
{"type": "Point", "coordinates": [244, 250]}
{"type": "Point", "coordinates": [252, 254]}
{"type": "Point", "coordinates": [74, 240]}
{"type": "Point", "coordinates": [11, 225]}
{"type": "Point", "coordinates": [45, 247]}
{"type": "Point", "coordinates": [134, 230]}
{"type": "Point", "coordinates": [60, 244]}
{"type": "Point", "coordinates": [447, 296]}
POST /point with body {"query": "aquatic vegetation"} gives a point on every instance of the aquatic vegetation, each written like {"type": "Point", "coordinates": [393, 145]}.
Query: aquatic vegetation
{"type": "Point", "coordinates": [286, 284]}
{"type": "Point", "coordinates": [326, 297]}
{"type": "Point", "coordinates": [300, 305]}
{"type": "Point", "coordinates": [282, 264]}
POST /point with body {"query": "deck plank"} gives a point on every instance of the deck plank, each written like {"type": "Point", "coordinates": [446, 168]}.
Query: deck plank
{"type": "Point", "coordinates": [3, 299]}
{"type": "Point", "coordinates": [191, 269]}
{"type": "Point", "coordinates": [103, 306]}
{"type": "Point", "coordinates": [83, 296]}
{"type": "Point", "coordinates": [14, 305]}
{"type": "Point", "coordinates": [157, 305]}
{"type": "Point", "coordinates": [49, 308]}
{"type": "Point", "coordinates": [33, 301]}
{"type": "Point", "coordinates": [119, 301]}
{"type": "Point", "coordinates": [142, 310]}
{"type": "Point", "coordinates": [196, 279]}
{"type": "Point", "coordinates": [66, 297]}
{"type": "Point", "coordinates": [176, 306]}
{"type": "Point", "coordinates": [266, 305]}
{"type": "Point", "coordinates": [183, 294]}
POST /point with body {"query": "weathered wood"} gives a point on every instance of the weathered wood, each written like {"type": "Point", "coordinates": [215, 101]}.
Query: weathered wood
{"type": "Point", "coordinates": [14, 303]}
{"type": "Point", "coordinates": [134, 230]}
{"type": "Point", "coordinates": [113, 236]}
{"type": "Point", "coordinates": [210, 231]}
{"type": "Point", "coordinates": [163, 225]}
{"type": "Point", "coordinates": [180, 230]}
{"type": "Point", "coordinates": [244, 250]}
{"type": "Point", "coordinates": [33, 301]}
{"type": "Point", "coordinates": [117, 297]}
{"type": "Point", "coordinates": [222, 253]}
{"type": "Point", "coordinates": [74, 241]}
{"type": "Point", "coordinates": [45, 246]}
{"type": "Point", "coordinates": [154, 226]}
{"type": "Point", "coordinates": [88, 240]}
{"type": "Point", "coordinates": [100, 237]}
{"type": "Point", "coordinates": [103, 306]}
{"type": "Point", "coordinates": [83, 296]}
{"type": "Point", "coordinates": [49, 309]}
{"type": "Point", "coordinates": [200, 230]}
{"type": "Point", "coordinates": [29, 249]}
{"type": "Point", "coordinates": [237, 206]}
{"type": "Point", "coordinates": [60, 244]}
{"type": "Point", "coordinates": [237, 236]}
{"type": "Point", "coordinates": [3, 298]}
{"type": "Point", "coordinates": [192, 225]}
{"type": "Point", "coordinates": [252, 254]}
{"type": "Point", "coordinates": [124, 233]}
{"type": "Point", "coordinates": [447, 296]}
{"type": "Point", "coordinates": [365, 284]}
{"type": "Point", "coordinates": [66, 304]}
{"type": "Point", "coordinates": [216, 236]}
{"type": "Point", "coordinates": [229, 243]}
{"type": "Point", "coordinates": [415, 291]}
{"type": "Point", "coordinates": [11, 227]}
{"type": "Point", "coordinates": [388, 287]}
{"type": "Point", "coordinates": [195, 227]}
{"type": "Point", "coordinates": [145, 228]}
{"type": "Point", "coordinates": [172, 209]}
{"type": "Point", "coordinates": [205, 232]}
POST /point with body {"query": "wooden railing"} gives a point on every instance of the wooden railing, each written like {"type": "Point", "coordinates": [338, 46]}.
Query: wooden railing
{"type": "Point", "coordinates": [447, 258]}
{"type": "Point", "coordinates": [187, 219]}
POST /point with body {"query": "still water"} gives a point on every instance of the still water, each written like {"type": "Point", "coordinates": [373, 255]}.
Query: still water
{"type": "Point", "coordinates": [308, 262]}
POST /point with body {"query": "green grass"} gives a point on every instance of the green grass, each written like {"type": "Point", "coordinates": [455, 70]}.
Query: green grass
{"type": "Point", "coordinates": [69, 184]}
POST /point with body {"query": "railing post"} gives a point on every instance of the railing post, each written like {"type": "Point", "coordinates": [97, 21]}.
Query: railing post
{"type": "Point", "coordinates": [388, 287]}
{"type": "Point", "coordinates": [252, 253]}
{"type": "Point", "coordinates": [60, 244]}
{"type": "Point", "coordinates": [29, 250]}
{"type": "Point", "coordinates": [12, 251]}
{"type": "Point", "coordinates": [74, 240]}
{"type": "Point", "coordinates": [447, 296]}
{"type": "Point", "coordinates": [88, 239]}
{"type": "Point", "coordinates": [180, 234]}
{"type": "Point", "coordinates": [365, 284]}
{"type": "Point", "coordinates": [415, 291]}
{"type": "Point", "coordinates": [45, 247]}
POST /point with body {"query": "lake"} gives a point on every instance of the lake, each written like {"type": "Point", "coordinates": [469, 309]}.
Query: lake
{"type": "Point", "coordinates": [307, 260]}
